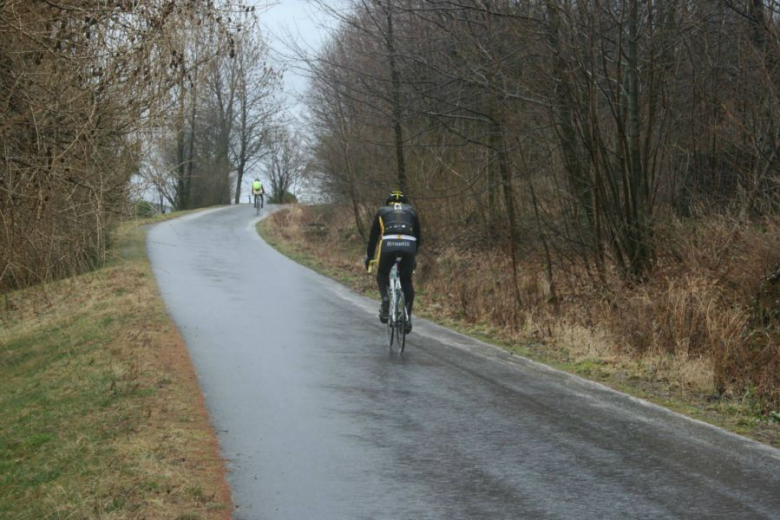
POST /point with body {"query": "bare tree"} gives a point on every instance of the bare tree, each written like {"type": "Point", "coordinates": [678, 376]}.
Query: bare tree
{"type": "Point", "coordinates": [256, 84]}
{"type": "Point", "coordinates": [284, 165]}
{"type": "Point", "coordinates": [222, 107]}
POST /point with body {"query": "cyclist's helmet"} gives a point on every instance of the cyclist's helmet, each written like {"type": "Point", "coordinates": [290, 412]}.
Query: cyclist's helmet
{"type": "Point", "coordinates": [396, 197]}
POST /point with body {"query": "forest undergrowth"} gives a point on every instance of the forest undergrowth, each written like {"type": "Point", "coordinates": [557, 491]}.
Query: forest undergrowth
{"type": "Point", "coordinates": [700, 336]}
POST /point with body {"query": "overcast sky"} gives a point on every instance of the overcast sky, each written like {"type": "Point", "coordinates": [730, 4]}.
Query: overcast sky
{"type": "Point", "coordinates": [297, 22]}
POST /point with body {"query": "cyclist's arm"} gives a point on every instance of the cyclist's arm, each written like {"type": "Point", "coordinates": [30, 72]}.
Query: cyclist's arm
{"type": "Point", "coordinates": [417, 232]}
{"type": "Point", "coordinates": [373, 237]}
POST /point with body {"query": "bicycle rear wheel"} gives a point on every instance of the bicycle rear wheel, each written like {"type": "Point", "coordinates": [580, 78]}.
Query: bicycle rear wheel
{"type": "Point", "coordinates": [400, 322]}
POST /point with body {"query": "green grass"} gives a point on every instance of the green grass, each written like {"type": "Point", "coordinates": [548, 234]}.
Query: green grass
{"type": "Point", "coordinates": [84, 430]}
{"type": "Point", "coordinates": [57, 384]}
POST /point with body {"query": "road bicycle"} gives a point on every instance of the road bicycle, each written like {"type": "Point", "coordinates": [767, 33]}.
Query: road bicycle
{"type": "Point", "coordinates": [397, 314]}
{"type": "Point", "coordinates": [258, 206]}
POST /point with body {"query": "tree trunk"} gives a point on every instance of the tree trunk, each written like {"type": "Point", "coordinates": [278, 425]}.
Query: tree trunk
{"type": "Point", "coordinates": [181, 184]}
{"type": "Point", "coordinates": [638, 240]}
{"type": "Point", "coordinates": [509, 202]}
{"type": "Point", "coordinates": [580, 184]}
{"type": "Point", "coordinates": [395, 79]}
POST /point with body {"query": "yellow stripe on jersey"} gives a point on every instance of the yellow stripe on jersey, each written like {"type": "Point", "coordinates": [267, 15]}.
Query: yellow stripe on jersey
{"type": "Point", "coordinates": [378, 249]}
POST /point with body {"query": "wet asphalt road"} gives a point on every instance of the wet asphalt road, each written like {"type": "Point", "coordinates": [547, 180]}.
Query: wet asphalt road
{"type": "Point", "coordinates": [318, 421]}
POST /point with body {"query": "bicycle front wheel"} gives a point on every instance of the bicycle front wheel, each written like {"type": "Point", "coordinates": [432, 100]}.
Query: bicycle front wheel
{"type": "Point", "coordinates": [390, 333]}
{"type": "Point", "coordinates": [390, 323]}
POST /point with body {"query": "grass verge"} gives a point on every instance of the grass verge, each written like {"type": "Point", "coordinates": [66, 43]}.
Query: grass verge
{"type": "Point", "coordinates": [102, 416]}
{"type": "Point", "coordinates": [298, 233]}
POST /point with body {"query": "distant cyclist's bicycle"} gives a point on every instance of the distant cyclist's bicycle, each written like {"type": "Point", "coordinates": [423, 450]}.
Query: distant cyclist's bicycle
{"type": "Point", "coordinates": [397, 315]}
{"type": "Point", "coordinates": [258, 203]}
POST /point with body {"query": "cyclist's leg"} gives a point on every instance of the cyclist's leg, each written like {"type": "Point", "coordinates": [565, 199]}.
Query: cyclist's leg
{"type": "Point", "coordinates": [408, 264]}
{"type": "Point", "coordinates": [386, 261]}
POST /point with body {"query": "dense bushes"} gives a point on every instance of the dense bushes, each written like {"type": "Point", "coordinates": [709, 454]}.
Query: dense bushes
{"type": "Point", "coordinates": [81, 80]}
{"type": "Point", "coordinates": [611, 168]}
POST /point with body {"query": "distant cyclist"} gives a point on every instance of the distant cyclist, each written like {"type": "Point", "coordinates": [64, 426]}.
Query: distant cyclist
{"type": "Point", "coordinates": [395, 233]}
{"type": "Point", "coordinates": [258, 191]}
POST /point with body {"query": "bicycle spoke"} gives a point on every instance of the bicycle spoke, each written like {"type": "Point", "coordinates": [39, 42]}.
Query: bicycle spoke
{"type": "Point", "coordinates": [401, 322]}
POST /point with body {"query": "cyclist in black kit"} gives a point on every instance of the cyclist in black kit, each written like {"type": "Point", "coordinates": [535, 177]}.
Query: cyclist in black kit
{"type": "Point", "coordinates": [395, 233]}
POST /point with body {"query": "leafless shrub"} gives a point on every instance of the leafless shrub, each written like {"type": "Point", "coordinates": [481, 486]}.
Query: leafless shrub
{"type": "Point", "coordinates": [605, 167]}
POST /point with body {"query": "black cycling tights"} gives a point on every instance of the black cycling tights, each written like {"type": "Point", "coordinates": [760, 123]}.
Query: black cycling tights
{"type": "Point", "coordinates": [408, 263]}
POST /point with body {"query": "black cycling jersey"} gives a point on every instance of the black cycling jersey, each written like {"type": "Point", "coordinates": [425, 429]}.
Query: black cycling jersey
{"type": "Point", "coordinates": [398, 228]}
